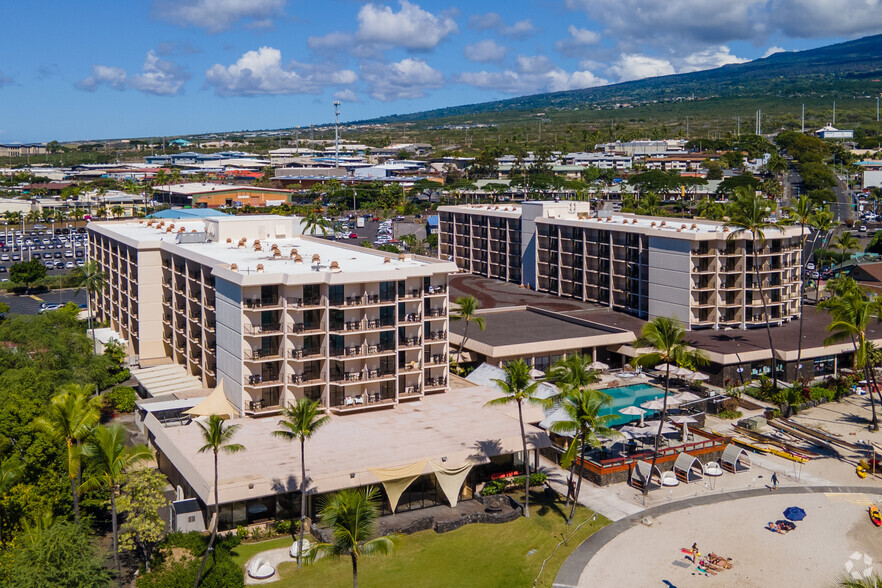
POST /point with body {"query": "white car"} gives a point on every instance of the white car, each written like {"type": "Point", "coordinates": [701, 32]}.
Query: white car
{"type": "Point", "coordinates": [69, 265]}
{"type": "Point", "coordinates": [863, 229]}
{"type": "Point", "coordinates": [810, 266]}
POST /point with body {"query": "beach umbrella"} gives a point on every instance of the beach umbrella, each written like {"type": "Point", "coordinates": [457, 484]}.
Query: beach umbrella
{"type": "Point", "coordinates": [636, 432]}
{"type": "Point", "coordinates": [684, 397]}
{"type": "Point", "coordinates": [658, 403]}
{"type": "Point", "coordinates": [663, 367]}
{"type": "Point", "coordinates": [697, 377]}
{"type": "Point", "coordinates": [633, 411]}
{"type": "Point", "coordinates": [598, 365]}
{"type": "Point", "coordinates": [666, 428]}
{"type": "Point", "coordinates": [683, 419]}
{"type": "Point", "coordinates": [794, 513]}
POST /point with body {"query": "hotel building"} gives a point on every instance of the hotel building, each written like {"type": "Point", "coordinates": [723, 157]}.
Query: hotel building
{"type": "Point", "coordinates": [276, 314]}
{"type": "Point", "coordinates": [693, 270]}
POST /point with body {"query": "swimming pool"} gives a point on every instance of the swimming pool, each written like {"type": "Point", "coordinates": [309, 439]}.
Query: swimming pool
{"type": "Point", "coordinates": [633, 395]}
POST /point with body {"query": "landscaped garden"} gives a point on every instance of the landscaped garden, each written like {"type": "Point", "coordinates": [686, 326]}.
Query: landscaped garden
{"type": "Point", "coordinates": [509, 554]}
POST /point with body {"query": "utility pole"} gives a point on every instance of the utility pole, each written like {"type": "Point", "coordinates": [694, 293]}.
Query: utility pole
{"type": "Point", "coordinates": [834, 113]}
{"type": "Point", "coordinates": [877, 109]}
{"type": "Point", "coordinates": [687, 127]}
{"type": "Point", "coordinates": [738, 128]}
{"type": "Point", "coordinates": [802, 129]}
{"type": "Point", "coordinates": [336, 132]}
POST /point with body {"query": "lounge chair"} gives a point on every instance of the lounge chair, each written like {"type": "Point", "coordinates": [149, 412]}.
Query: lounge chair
{"type": "Point", "coordinates": [712, 468]}
{"type": "Point", "coordinates": [669, 479]}
{"type": "Point", "coordinates": [295, 549]}
{"type": "Point", "coordinates": [260, 569]}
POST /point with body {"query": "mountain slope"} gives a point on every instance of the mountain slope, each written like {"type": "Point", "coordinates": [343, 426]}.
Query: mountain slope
{"type": "Point", "coordinates": [844, 68]}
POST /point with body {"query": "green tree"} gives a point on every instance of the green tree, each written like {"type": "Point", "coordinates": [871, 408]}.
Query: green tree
{"type": "Point", "coordinates": [665, 340]}
{"type": "Point", "coordinates": [90, 278]}
{"type": "Point", "coordinates": [519, 388]}
{"type": "Point", "coordinates": [117, 211]}
{"type": "Point", "coordinates": [27, 272]}
{"type": "Point", "coordinates": [582, 407]}
{"type": "Point", "coordinates": [802, 213]}
{"type": "Point", "coordinates": [710, 209]}
{"type": "Point", "coordinates": [467, 308]}
{"type": "Point", "coordinates": [11, 470]}
{"type": "Point", "coordinates": [299, 423]}
{"type": "Point", "coordinates": [748, 219]}
{"type": "Point", "coordinates": [141, 498]}
{"type": "Point", "coordinates": [313, 221]}
{"type": "Point", "coordinates": [108, 460]}
{"type": "Point", "coordinates": [61, 556]}
{"type": "Point", "coordinates": [846, 242]}
{"type": "Point", "coordinates": [70, 418]}
{"type": "Point", "coordinates": [351, 515]}
{"type": "Point", "coordinates": [852, 313]}
{"type": "Point", "coordinates": [217, 437]}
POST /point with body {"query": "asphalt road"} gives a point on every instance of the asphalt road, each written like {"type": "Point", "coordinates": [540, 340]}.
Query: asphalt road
{"type": "Point", "coordinates": [30, 303]}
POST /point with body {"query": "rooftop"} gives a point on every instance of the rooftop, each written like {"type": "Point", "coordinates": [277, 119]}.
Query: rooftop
{"type": "Point", "coordinates": [202, 187]}
{"type": "Point", "coordinates": [454, 427]}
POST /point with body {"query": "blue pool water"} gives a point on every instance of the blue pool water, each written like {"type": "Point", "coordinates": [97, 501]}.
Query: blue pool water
{"type": "Point", "coordinates": [632, 395]}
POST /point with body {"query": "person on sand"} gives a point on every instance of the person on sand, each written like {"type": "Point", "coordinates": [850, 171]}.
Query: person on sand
{"type": "Point", "coordinates": [774, 482]}
{"type": "Point", "coordinates": [695, 553]}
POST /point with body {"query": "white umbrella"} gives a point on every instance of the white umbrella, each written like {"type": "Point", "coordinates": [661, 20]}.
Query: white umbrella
{"type": "Point", "coordinates": [658, 403]}
{"type": "Point", "coordinates": [598, 365]}
{"type": "Point", "coordinates": [683, 419]}
{"type": "Point", "coordinates": [684, 397]}
{"type": "Point", "coordinates": [682, 372]}
{"type": "Point", "coordinates": [633, 411]}
{"type": "Point", "coordinates": [664, 367]}
{"type": "Point", "coordinates": [697, 377]}
{"type": "Point", "coordinates": [666, 428]}
{"type": "Point", "coordinates": [636, 431]}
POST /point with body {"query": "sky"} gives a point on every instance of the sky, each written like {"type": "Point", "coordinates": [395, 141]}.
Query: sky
{"type": "Point", "coordinates": [101, 69]}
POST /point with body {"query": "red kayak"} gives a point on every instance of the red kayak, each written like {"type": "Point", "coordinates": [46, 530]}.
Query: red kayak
{"type": "Point", "coordinates": [875, 516]}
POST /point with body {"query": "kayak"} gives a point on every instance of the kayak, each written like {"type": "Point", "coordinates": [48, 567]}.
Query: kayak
{"type": "Point", "coordinates": [875, 516]}
{"type": "Point", "coordinates": [861, 472]}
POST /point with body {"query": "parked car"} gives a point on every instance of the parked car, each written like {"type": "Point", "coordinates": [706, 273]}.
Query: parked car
{"type": "Point", "coordinates": [69, 265]}
{"type": "Point", "coordinates": [810, 266]}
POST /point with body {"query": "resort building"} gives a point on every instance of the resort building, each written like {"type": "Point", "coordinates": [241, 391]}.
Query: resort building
{"type": "Point", "coordinates": [276, 314]}
{"type": "Point", "coordinates": [239, 316]}
{"type": "Point", "coordinates": [692, 270]}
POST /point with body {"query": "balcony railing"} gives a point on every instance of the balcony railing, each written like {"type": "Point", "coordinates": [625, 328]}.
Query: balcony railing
{"type": "Point", "coordinates": [436, 336]}
{"type": "Point", "coordinates": [410, 342]}
{"type": "Point", "coordinates": [412, 317]}
{"type": "Point", "coordinates": [252, 303]}
{"type": "Point", "coordinates": [435, 358]}
{"type": "Point", "coordinates": [299, 328]}
{"type": "Point", "coordinates": [305, 377]}
{"type": "Point", "coordinates": [301, 302]}
{"type": "Point", "coordinates": [438, 382]}
{"type": "Point", "coordinates": [436, 290]}
{"type": "Point", "coordinates": [305, 352]}
{"type": "Point", "coordinates": [264, 329]}
{"type": "Point", "coordinates": [254, 354]}
{"type": "Point", "coordinates": [436, 312]}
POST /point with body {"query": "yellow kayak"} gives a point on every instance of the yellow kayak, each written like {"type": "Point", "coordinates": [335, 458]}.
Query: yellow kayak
{"type": "Point", "coordinates": [861, 472]}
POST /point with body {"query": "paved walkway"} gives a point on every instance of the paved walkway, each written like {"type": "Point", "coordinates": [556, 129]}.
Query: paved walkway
{"type": "Point", "coordinates": [570, 572]}
{"type": "Point", "coordinates": [599, 499]}
{"type": "Point", "coordinates": [274, 557]}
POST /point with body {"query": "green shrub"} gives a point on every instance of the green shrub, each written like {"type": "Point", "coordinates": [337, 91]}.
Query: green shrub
{"type": "Point", "coordinates": [818, 393]}
{"type": "Point", "coordinates": [194, 542]}
{"type": "Point", "coordinates": [729, 414]}
{"type": "Point", "coordinates": [283, 527]}
{"type": "Point", "coordinates": [221, 572]}
{"type": "Point", "coordinates": [242, 533]}
{"type": "Point", "coordinates": [122, 398]}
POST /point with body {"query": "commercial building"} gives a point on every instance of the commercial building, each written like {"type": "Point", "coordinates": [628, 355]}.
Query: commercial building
{"type": "Point", "coordinates": [696, 272]}
{"type": "Point", "coordinates": [206, 195]}
{"type": "Point", "coordinates": [264, 315]}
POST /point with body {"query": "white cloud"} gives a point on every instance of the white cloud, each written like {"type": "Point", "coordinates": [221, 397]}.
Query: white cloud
{"type": "Point", "coordinates": [262, 72]}
{"type": "Point", "coordinates": [486, 51]}
{"type": "Point", "coordinates": [708, 59]}
{"type": "Point", "coordinates": [634, 67]}
{"type": "Point", "coordinates": [411, 27]}
{"type": "Point", "coordinates": [347, 95]}
{"type": "Point", "coordinates": [577, 43]}
{"type": "Point", "coordinates": [532, 74]}
{"type": "Point", "coordinates": [218, 15]}
{"type": "Point", "coordinates": [772, 50]}
{"type": "Point", "coordinates": [159, 77]}
{"type": "Point", "coordinates": [676, 21]}
{"type": "Point", "coordinates": [103, 75]}
{"type": "Point", "coordinates": [408, 79]}
{"type": "Point", "coordinates": [492, 21]}
{"type": "Point", "coordinates": [823, 18]}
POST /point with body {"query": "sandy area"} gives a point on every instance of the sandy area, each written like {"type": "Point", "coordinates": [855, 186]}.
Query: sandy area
{"type": "Point", "coordinates": [837, 527]}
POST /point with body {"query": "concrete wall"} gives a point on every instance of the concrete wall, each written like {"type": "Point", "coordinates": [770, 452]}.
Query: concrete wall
{"type": "Point", "coordinates": [150, 306]}
{"type": "Point", "coordinates": [872, 179]}
{"type": "Point", "coordinates": [669, 276]}
{"type": "Point", "coordinates": [229, 338]}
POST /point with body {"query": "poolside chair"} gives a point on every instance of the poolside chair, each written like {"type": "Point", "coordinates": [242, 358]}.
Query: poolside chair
{"type": "Point", "coordinates": [669, 479]}
{"type": "Point", "coordinates": [296, 548]}
{"type": "Point", "coordinates": [260, 569]}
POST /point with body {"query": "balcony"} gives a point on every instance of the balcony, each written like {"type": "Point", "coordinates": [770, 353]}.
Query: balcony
{"type": "Point", "coordinates": [410, 391]}
{"type": "Point", "coordinates": [262, 354]}
{"type": "Point", "coordinates": [209, 301]}
{"type": "Point", "coordinates": [303, 328]}
{"type": "Point", "coordinates": [436, 290]}
{"type": "Point", "coordinates": [264, 329]}
{"type": "Point", "coordinates": [409, 342]}
{"type": "Point", "coordinates": [436, 384]}
{"type": "Point", "coordinates": [293, 302]}
{"type": "Point", "coordinates": [412, 317]}
{"type": "Point", "coordinates": [412, 294]}
{"type": "Point", "coordinates": [344, 403]}
{"type": "Point", "coordinates": [409, 367]}
{"type": "Point", "coordinates": [261, 303]}
{"type": "Point", "coordinates": [349, 378]}
{"type": "Point", "coordinates": [305, 378]}
{"type": "Point", "coordinates": [265, 379]}
{"type": "Point", "coordinates": [435, 359]}
{"type": "Point", "coordinates": [434, 313]}
{"type": "Point", "coordinates": [436, 337]}
{"type": "Point", "coordinates": [306, 353]}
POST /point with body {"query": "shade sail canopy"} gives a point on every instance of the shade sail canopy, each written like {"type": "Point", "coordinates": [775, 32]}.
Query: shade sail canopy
{"type": "Point", "coordinates": [215, 403]}
{"type": "Point", "coordinates": [396, 480]}
{"type": "Point", "coordinates": [451, 479]}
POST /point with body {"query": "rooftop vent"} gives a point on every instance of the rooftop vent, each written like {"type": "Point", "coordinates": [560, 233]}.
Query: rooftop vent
{"type": "Point", "coordinates": [694, 226]}
{"type": "Point", "coordinates": [387, 260]}
{"type": "Point", "coordinates": [335, 267]}
{"type": "Point", "coordinates": [277, 253]}
{"type": "Point", "coordinates": [234, 267]}
{"type": "Point", "coordinates": [298, 259]}
{"type": "Point", "coordinates": [229, 240]}
{"type": "Point", "coordinates": [260, 268]}
{"type": "Point", "coordinates": [316, 258]}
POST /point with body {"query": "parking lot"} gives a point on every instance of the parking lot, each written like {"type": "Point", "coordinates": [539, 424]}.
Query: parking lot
{"type": "Point", "coordinates": [60, 253]}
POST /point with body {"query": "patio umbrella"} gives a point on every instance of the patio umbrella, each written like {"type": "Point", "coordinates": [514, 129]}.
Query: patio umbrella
{"type": "Point", "coordinates": [657, 404]}
{"type": "Point", "coordinates": [666, 428]}
{"type": "Point", "coordinates": [684, 397]}
{"type": "Point", "coordinates": [697, 377]}
{"type": "Point", "coordinates": [794, 513]}
{"type": "Point", "coordinates": [636, 431]}
{"type": "Point", "coordinates": [663, 367]}
{"type": "Point", "coordinates": [682, 372]}
{"type": "Point", "coordinates": [598, 365]}
{"type": "Point", "coordinates": [633, 411]}
{"type": "Point", "coordinates": [684, 420]}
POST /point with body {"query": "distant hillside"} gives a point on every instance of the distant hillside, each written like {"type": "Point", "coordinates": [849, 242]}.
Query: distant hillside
{"type": "Point", "coordinates": [842, 69]}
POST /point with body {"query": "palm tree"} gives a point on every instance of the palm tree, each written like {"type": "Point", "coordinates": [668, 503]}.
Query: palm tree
{"type": "Point", "coordinates": [313, 221]}
{"type": "Point", "coordinates": [89, 277]}
{"type": "Point", "coordinates": [217, 438]}
{"type": "Point", "coordinates": [582, 407]}
{"type": "Point", "coordinates": [846, 242]}
{"type": "Point", "coordinates": [109, 459]}
{"type": "Point", "coordinates": [666, 339]}
{"type": "Point", "coordinates": [518, 387]}
{"type": "Point", "coordinates": [710, 209]}
{"type": "Point", "coordinates": [467, 311]}
{"type": "Point", "coordinates": [300, 422]}
{"type": "Point", "coordinates": [70, 418]}
{"type": "Point", "coordinates": [852, 313]}
{"type": "Point", "coordinates": [351, 514]}
{"type": "Point", "coordinates": [749, 213]}
{"type": "Point", "coordinates": [823, 222]}
{"type": "Point", "coordinates": [117, 211]}
{"type": "Point", "coordinates": [802, 213]}
{"type": "Point", "coordinates": [11, 470]}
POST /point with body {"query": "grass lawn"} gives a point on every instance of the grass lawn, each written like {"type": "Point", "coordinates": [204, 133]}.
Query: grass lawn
{"type": "Point", "coordinates": [246, 551]}
{"type": "Point", "coordinates": [508, 554]}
